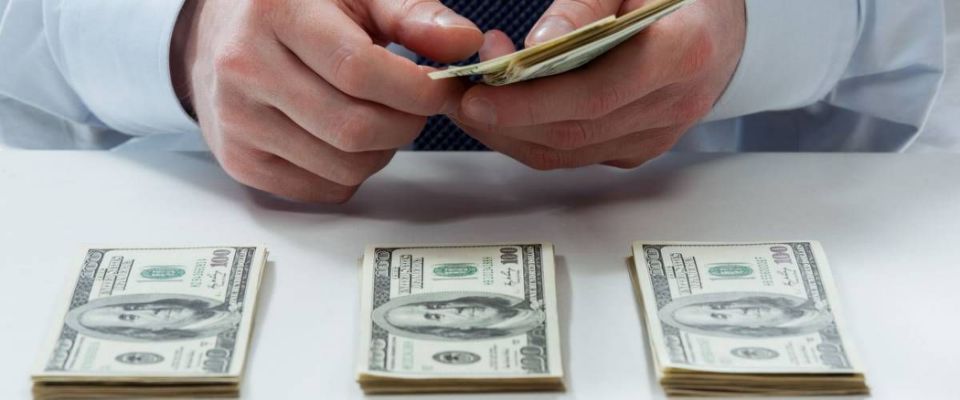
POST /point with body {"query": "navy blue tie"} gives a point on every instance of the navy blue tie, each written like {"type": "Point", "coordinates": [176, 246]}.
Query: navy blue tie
{"type": "Point", "coordinates": [513, 17]}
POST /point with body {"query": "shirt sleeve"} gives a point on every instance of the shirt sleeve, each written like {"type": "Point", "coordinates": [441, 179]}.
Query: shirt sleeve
{"type": "Point", "coordinates": [795, 52]}
{"type": "Point", "coordinates": [841, 75]}
{"type": "Point", "coordinates": [94, 62]}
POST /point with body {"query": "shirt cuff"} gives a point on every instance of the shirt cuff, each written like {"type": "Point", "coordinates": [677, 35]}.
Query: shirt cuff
{"type": "Point", "coordinates": [795, 53]}
{"type": "Point", "coordinates": [116, 54]}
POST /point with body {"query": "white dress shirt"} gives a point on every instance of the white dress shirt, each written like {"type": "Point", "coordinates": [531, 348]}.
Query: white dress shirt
{"type": "Point", "coordinates": [816, 75]}
{"type": "Point", "coordinates": [942, 130]}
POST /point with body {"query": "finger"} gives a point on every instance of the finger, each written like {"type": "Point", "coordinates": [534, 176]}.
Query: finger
{"type": "Point", "coordinates": [289, 141]}
{"type": "Point", "coordinates": [346, 123]}
{"type": "Point", "coordinates": [638, 146]}
{"type": "Point", "coordinates": [651, 60]}
{"type": "Point", "coordinates": [495, 44]}
{"type": "Point", "coordinates": [565, 16]}
{"type": "Point", "coordinates": [653, 149]}
{"type": "Point", "coordinates": [336, 48]}
{"type": "Point", "coordinates": [660, 109]}
{"type": "Point", "coordinates": [276, 175]}
{"type": "Point", "coordinates": [428, 28]}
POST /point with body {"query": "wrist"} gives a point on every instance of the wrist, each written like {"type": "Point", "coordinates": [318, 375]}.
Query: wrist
{"type": "Point", "coordinates": [183, 53]}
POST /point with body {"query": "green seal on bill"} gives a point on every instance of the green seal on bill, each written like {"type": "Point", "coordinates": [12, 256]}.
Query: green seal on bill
{"type": "Point", "coordinates": [731, 270]}
{"type": "Point", "coordinates": [163, 272]}
{"type": "Point", "coordinates": [459, 270]}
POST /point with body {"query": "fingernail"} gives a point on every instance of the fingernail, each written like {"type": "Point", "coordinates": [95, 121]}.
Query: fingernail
{"type": "Point", "coordinates": [450, 19]}
{"type": "Point", "coordinates": [487, 45]}
{"type": "Point", "coordinates": [488, 49]}
{"type": "Point", "coordinates": [551, 28]}
{"type": "Point", "coordinates": [479, 109]}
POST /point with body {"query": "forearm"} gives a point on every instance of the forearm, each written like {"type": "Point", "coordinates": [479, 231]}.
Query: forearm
{"type": "Point", "coordinates": [183, 52]}
{"type": "Point", "coordinates": [33, 70]}
{"type": "Point", "coordinates": [97, 62]}
{"type": "Point", "coordinates": [898, 64]}
{"type": "Point", "coordinates": [795, 52]}
{"type": "Point", "coordinates": [882, 58]}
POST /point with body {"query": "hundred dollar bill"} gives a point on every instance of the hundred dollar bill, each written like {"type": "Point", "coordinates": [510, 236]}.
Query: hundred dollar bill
{"type": "Point", "coordinates": [569, 51]}
{"type": "Point", "coordinates": [745, 317]}
{"type": "Point", "coordinates": [459, 318]}
{"type": "Point", "coordinates": [171, 316]}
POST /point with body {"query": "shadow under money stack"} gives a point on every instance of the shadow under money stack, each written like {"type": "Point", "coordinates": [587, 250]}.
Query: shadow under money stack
{"type": "Point", "coordinates": [734, 319]}
{"type": "Point", "coordinates": [472, 318]}
{"type": "Point", "coordinates": [164, 322]}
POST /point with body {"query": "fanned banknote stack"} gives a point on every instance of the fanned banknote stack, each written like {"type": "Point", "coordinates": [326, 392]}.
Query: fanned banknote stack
{"type": "Point", "coordinates": [569, 51]}
{"type": "Point", "coordinates": [734, 319]}
{"type": "Point", "coordinates": [459, 319]}
{"type": "Point", "coordinates": [163, 322]}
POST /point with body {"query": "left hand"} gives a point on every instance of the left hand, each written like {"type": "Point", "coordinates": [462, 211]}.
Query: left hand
{"type": "Point", "coordinates": [624, 108]}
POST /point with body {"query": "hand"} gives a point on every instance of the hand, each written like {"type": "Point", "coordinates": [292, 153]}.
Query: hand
{"type": "Point", "coordinates": [625, 108]}
{"type": "Point", "coordinates": [301, 99]}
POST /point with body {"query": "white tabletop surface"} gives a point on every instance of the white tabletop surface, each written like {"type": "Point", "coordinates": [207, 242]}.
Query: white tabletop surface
{"type": "Point", "coordinates": [890, 225]}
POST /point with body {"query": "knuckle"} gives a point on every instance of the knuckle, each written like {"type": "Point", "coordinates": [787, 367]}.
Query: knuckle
{"type": "Point", "coordinates": [691, 109]}
{"type": "Point", "coordinates": [658, 32]}
{"type": "Point", "coordinates": [403, 131]}
{"type": "Point", "coordinates": [264, 5]}
{"type": "Point", "coordinates": [411, 128]}
{"type": "Point", "coordinates": [358, 170]}
{"type": "Point", "coordinates": [661, 145]}
{"type": "Point", "coordinates": [360, 167]}
{"type": "Point", "coordinates": [302, 100]}
{"type": "Point", "coordinates": [239, 165]}
{"type": "Point", "coordinates": [661, 142]}
{"type": "Point", "coordinates": [231, 120]}
{"type": "Point", "coordinates": [419, 7]}
{"type": "Point", "coordinates": [339, 194]}
{"type": "Point", "coordinates": [272, 10]}
{"type": "Point", "coordinates": [234, 65]}
{"type": "Point", "coordinates": [349, 70]}
{"type": "Point", "coordinates": [329, 193]}
{"type": "Point", "coordinates": [698, 55]}
{"type": "Point", "coordinates": [358, 131]}
{"type": "Point", "coordinates": [572, 135]}
{"type": "Point", "coordinates": [351, 177]}
{"type": "Point", "coordinates": [543, 159]}
{"type": "Point", "coordinates": [607, 99]}
{"type": "Point", "coordinates": [429, 100]}
{"type": "Point", "coordinates": [354, 132]}
{"type": "Point", "coordinates": [531, 112]}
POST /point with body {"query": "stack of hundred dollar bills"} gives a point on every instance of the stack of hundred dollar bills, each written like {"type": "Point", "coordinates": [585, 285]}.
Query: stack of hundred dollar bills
{"type": "Point", "coordinates": [459, 319]}
{"type": "Point", "coordinates": [154, 322]}
{"type": "Point", "coordinates": [569, 51]}
{"type": "Point", "coordinates": [734, 319]}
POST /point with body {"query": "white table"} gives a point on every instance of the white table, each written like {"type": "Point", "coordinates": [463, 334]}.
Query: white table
{"type": "Point", "coordinates": [890, 224]}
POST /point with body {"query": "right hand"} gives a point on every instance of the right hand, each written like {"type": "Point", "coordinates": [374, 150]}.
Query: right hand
{"type": "Point", "coordinates": [300, 98]}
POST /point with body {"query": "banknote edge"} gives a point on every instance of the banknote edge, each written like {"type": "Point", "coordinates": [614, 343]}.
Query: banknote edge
{"type": "Point", "coordinates": [254, 281]}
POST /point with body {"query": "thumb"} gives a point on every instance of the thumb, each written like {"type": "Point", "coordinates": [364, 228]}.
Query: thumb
{"type": "Point", "coordinates": [565, 16]}
{"type": "Point", "coordinates": [427, 27]}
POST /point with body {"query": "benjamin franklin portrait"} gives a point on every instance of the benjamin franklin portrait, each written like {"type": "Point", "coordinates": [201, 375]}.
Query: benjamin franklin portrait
{"type": "Point", "coordinates": [745, 314]}
{"type": "Point", "coordinates": [456, 316]}
{"type": "Point", "coordinates": [152, 317]}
